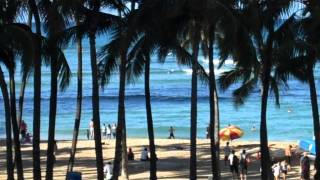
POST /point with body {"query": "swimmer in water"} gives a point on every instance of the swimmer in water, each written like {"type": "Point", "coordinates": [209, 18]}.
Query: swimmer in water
{"type": "Point", "coordinates": [253, 128]}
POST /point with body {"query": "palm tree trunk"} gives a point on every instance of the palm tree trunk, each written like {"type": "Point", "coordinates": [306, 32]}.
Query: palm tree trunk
{"type": "Point", "coordinates": [124, 159]}
{"type": "Point", "coordinates": [37, 96]}
{"type": "Point", "coordinates": [5, 95]}
{"type": "Point", "coordinates": [95, 105]}
{"type": "Point", "coordinates": [153, 158]}
{"type": "Point", "coordinates": [265, 157]}
{"type": "Point", "coordinates": [52, 118]}
{"type": "Point", "coordinates": [21, 98]}
{"type": "Point", "coordinates": [79, 104]}
{"type": "Point", "coordinates": [15, 128]}
{"type": "Point", "coordinates": [214, 115]}
{"type": "Point", "coordinates": [193, 119]}
{"type": "Point", "coordinates": [315, 115]}
{"type": "Point", "coordinates": [121, 117]}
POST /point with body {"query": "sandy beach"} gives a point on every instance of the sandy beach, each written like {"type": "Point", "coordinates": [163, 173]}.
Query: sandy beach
{"type": "Point", "coordinates": [173, 157]}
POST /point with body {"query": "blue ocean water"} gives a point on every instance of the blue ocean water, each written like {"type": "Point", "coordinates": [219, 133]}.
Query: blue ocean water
{"type": "Point", "coordinates": [170, 91]}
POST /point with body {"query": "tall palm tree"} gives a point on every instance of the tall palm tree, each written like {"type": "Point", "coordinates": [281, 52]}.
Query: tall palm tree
{"type": "Point", "coordinates": [36, 93]}
{"type": "Point", "coordinates": [54, 24]}
{"type": "Point", "coordinates": [5, 95]}
{"type": "Point", "coordinates": [311, 37]}
{"type": "Point", "coordinates": [95, 6]}
{"type": "Point", "coordinates": [76, 15]}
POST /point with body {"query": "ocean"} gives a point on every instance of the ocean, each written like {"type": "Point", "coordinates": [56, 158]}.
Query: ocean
{"type": "Point", "coordinates": [170, 98]}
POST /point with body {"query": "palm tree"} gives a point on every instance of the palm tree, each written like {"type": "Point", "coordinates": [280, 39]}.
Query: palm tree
{"type": "Point", "coordinates": [76, 15]}
{"type": "Point", "coordinates": [95, 88]}
{"type": "Point", "coordinates": [256, 60]}
{"type": "Point", "coordinates": [36, 93]}
{"type": "Point", "coordinates": [309, 25]}
{"type": "Point", "coordinates": [54, 24]}
{"type": "Point", "coordinates": [5, 95]}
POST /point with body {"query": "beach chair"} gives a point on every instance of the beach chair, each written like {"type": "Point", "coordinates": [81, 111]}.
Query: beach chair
{"type": "Point", "coordinates": [74, 176]}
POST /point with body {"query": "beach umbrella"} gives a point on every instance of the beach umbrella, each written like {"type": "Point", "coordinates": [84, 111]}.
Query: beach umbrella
{"type": "Point", "coordinates": [230, 133]}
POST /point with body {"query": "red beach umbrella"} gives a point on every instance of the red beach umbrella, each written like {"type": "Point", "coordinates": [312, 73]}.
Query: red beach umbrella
{"type": "Point", "coordinates": [230, 133]}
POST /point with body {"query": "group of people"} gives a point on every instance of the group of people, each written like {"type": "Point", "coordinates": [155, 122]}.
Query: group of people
{"type": "Point", "coordinates": [108, 131]}
{"type": "Point", "coordinates": [108, 167]}
{"type": "Point", "coordinates": [238, 165]}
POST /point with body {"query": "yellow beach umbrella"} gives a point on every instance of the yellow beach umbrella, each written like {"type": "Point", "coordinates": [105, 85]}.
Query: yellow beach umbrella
{"type": "Point", "coordinates": [230, 133]}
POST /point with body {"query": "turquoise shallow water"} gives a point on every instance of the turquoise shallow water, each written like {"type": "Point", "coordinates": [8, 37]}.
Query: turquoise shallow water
{"type": "Point", "coordinates": [170, 91]}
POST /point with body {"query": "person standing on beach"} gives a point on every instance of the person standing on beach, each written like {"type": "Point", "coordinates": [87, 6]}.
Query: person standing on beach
{"type": "Point", "coordinates": [234, 164]}
{"type": "Point", "coordinates": [171, 131]}
{"type": "Point", "coordinates": [55, 150]}
{"type": "Point", "coordinates": [91, 129]}
{"type": "Point", "coordinates": [208, 132]}
{"type": "Point", "coordinates": [243, 164]}
{"type": "Point", "coordinates": [104, 131]}
{"type": "Point", "coordinates": [276, 168]}
{"type": "Point", "coordinates": [109, 131]}
{"type": "Point", "coordinates": [23, 129]}
{"type": "Point", "coordinates": [114, 130]}
{"type": "Point", "coordinates": [88, 134]}
{"type": "Point", "coordinates": [305, 167]}
{"type": "Point", "coordinates": [288, 154]}
{"type": "Point", "coordinates": [226, 151]}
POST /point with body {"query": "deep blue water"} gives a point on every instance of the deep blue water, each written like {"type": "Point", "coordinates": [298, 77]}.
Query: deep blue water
{"type": "Point", "coordinates": [170, 91]}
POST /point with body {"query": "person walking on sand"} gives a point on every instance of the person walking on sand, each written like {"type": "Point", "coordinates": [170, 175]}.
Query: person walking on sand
{"type": "Point", "coordinates": [91, 129]}
{"type": "Point", "coordinates": [288, 154]}
{"type": "Point", "coordinates": [226, 151]}
{"type": "Point", "coordinates": [109, 131]}
{"type": "Point", "coordinates": [243, 164]}
{"type": "Point", "coordinates": [234, 164]}
{"type": "Point", "coordinates": [108, 169]}
{"type": "Point", "coordinates": [114, 130]}
{"type": "Point", "coordinates": [284, 169]}
{"type": "Point", "coordinates": [171, 131]}
{"type": "Point", "coordinates": [276, 169]}
{"type": "Point", "coordinates": [305, 167]}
